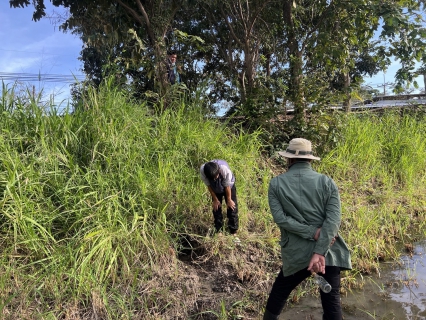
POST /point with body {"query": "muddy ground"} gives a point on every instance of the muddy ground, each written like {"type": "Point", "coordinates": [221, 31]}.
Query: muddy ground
{"type": "Point", "coordinates": [234, 283]}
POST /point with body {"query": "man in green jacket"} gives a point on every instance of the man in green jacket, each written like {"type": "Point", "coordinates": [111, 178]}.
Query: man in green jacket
{"type": "Point", "coordinates": [306, 207]}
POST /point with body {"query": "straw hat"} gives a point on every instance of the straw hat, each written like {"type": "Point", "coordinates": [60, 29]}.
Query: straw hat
{"type": "Point", "coordinates": [299, 148]}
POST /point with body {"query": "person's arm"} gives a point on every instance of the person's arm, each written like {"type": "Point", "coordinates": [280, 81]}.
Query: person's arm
{"type": "Point", "coordinates": [215, 200]}
{"type": "Point", "coordinates": [285, 221]}
{"type": "Point", "coordinates": [229, 202]}
{"type": "Point", "coordinates": [327, 234]}
{"type": "Point", "coordinates": [227, 184]}
{"type": "Point", "coordinates": [331, 224]}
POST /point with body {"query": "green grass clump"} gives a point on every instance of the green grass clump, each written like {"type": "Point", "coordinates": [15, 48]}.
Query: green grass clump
{"type": "Point", "coordinates": [98, 204]}
{"type": "Point", "coordinates": [95, 201]}
{"type": "Point", "coordinates": [380, 167]}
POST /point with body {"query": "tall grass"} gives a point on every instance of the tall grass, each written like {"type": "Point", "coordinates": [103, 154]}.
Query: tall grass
{"type": "Point", "coordinates": [96, 203]}
{"type": "Point", "coordinates": [380, 166]}
{"type": "Point", "coordinates": [388, 147]}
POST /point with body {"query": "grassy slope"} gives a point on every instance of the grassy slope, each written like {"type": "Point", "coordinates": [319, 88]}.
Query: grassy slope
{"type": "Point", "coordinates": [97, 207]}
{"type": "Point", "coordinates": [380, 168]}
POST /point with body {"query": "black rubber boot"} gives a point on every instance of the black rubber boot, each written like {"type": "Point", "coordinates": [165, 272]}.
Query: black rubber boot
{"type": "Point", "coordinates": [270, 316]}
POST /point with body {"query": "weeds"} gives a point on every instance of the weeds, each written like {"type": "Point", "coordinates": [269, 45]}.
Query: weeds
{"type": "Point", "coordinates": [96, 203]}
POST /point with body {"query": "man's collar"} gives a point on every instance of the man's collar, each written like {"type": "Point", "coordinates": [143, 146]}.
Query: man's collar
{"type": "Point", "coordinates": [300, 164]}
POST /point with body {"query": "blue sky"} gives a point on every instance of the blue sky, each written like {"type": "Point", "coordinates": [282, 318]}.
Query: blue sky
{"type": "Point", "coordinates": [379, 79]}
{"type": "Point", "coordinates": [40, 48]}
{"type": "Point", "coordinates": [37, 48]}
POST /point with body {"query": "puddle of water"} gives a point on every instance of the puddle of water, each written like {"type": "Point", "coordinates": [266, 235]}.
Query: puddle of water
{"type": "Point", "coordinates": [399, 294]}
{"type": "Point", "coordinates": [409, 286]}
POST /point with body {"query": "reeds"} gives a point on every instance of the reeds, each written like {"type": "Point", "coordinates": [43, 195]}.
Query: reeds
{"type": "Point", "coordinates": [96, 202]}
{"type": "Point", "coordinates": [380, 166]}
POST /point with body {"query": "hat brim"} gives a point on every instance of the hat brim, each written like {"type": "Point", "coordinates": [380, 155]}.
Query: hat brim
{"type": "Point", "coordinates": [293, 156]}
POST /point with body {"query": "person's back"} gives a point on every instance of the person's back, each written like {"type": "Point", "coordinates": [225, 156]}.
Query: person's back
{"type": "Point", "coordinates": [302, 191]}
{"type": "Point", "coordinates": [305, 206]}
{"type": "Point", "coordinates": [312, 199]}
{"type": "Point", "coordinates": [225, 178]}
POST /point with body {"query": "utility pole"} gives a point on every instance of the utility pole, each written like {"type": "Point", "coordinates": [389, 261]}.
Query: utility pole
{"type": "Point", "coordinates": [384, 86]}
{"type": "Point", "coordinates": [384, 83]}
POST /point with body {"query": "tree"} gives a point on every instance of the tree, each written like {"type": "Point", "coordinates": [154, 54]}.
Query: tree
{"type": "Point", "coordinates": [321, 35]}
{"type": "Point", "coordinates": [253, 50]}
{"type": "Point", "coordinates": [405, 33]}
{"type": "Point", "coordinates": [240, 39]}
{"type": "Point", "coordinates": [150, 20]}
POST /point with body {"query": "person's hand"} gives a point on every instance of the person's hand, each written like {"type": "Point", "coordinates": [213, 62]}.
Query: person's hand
{"type": "Point", "coordinates": [317, 234]}
{"type": "Point", "coordinates": [216, 204]}
{"type": "Point", "coordinates": [317, 264]}
{"type": "Point", "coordinates": [231, 204]}
{"type": "Point", "coordinates": [333, 240]}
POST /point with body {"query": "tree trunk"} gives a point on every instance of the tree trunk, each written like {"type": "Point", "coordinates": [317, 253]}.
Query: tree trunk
{"type": "Point", "coordinates": [296, 91]}
{"type": "Point", "coordinates": [248, 74]}
{"type": "Point", "coordinates": [242, 81]}
{"type": "Point", "coordinates": [249, 61]}
{"type": "Point", "coordinates": [296, 63]}
{"type": "Point", "coordinates": [268, 65]}
{"type": "Point", "coordinates": [347, 83]}
{"type": "Point", "coordinates": [424, 81]}
{"type": "Point", "coordinates": [160, 66]}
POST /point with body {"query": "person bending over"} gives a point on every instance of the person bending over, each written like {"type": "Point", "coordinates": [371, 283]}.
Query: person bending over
{"type": "Point", "coordinates": [220, 181]}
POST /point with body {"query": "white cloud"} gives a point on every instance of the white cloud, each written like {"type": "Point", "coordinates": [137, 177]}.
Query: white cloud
{"type": "Point", "coordinates": [54, 41]}
{"type": "Point", "coordinates": [37, 47]}
{"type": "Point", "coordinates": [27, 45]}
{"type": "Point", "coordinates": [18, 64]}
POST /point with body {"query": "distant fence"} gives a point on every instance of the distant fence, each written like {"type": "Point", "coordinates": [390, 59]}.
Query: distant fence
{"type": "Point", "coordinates": [399, 97]}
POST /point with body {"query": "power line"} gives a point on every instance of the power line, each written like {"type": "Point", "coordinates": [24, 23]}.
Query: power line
{"type": "Point", "coordinates": [39, 53]}
{"type": "Point", "coordinates": [11, 76]}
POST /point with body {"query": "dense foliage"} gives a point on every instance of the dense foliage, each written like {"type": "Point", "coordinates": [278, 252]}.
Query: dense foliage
{"type": "Point", "coordinates": [256, 58]}
{"type": "Point", "coordinates": [100, 205]}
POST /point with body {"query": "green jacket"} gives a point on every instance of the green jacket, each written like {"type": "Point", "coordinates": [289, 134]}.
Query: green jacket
{"type": "Point", "coordinates": [302, 200]}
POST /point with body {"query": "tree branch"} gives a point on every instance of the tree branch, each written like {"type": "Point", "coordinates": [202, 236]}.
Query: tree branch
{"type": "Point", "coordinates": [256, 15]}
{"type": "Point", "coordinates": [315, 28]}
{"type": "Point", "coordinates": [240, 7]}
{"type": "Point", "coordinates": [230, 28]}
{"type": "Point", "coordinates": [139, 19]}
{"type": "Point", "coordinates": [175, 9]}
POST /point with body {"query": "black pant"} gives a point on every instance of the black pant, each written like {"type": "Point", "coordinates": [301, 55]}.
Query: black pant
{"type": "Point", "coordinates": [283, 286]}
{"type": "Point", "coordinates": [231, 214]}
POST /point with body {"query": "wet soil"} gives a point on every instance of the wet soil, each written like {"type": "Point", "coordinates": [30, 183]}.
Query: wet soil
{"type": "Point", "coordinates": [238, 288]}
{"type": "Point", "coordinates": [399, 293]}
{"type": "Point", "coordinates": [369, 303]}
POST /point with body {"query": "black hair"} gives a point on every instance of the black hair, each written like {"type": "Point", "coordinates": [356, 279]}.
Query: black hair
{"type": "Point", "coordinates": [211, 169]}
{"type": "Point", "coordinates": [171, 52]}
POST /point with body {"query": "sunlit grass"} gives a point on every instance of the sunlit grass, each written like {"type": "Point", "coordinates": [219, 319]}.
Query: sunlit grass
{"type": "Point", "coordinates": [96, 202]}
{"type": "Point", "coordinates": [380, 167]}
